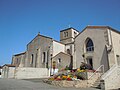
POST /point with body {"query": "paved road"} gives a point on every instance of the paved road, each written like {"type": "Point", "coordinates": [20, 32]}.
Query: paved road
{"type": "Point", "coordinates": [13, 84]}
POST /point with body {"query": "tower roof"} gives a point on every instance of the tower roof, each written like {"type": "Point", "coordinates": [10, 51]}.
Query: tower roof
{"type": "Point", "coordinates": [69, 29]}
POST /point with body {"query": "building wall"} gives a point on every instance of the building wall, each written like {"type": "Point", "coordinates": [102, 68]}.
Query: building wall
{"type": "Point", "coordinates": [11, 72]}
{"type": "Point", "coordinates": [70, 47]}
{"type": "Point", "coordinates": [57, 48]}
{"type": "Point", "coordinates": [68, 40]}
{"type": "Point", "coordinates": [100, 53]}
{"type": "Point", "coordinates": [67, 36]}
{"type": "Point", "coordinates": [35, 50]}
{"type": "Point", "coordinates": [5, 72]}
{"type": "Point", "coordinates": [28, 73]}
{"type": "Point", "coordinates": [112, 78]}
{"type": "Point", "coordinates": [65, 60]}
{"type": "Point", "coordinates": [23, 59]}
{"type": "Point", "coordinates": [19, 60]}
{"type": "Point", "coordinates": [8, 72]}
{"type": "Point", "coordinates": [16, 60]}
{"type": "Point", "coordinates": [115, 46]}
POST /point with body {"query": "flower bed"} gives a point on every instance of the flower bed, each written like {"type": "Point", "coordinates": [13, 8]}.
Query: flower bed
{"type": "Point", "coordinates": [73, 78]}
{"type": "Point", "coordinates": [70, 75]}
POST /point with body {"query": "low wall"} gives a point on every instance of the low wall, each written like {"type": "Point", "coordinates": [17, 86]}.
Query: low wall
{"type": "Point", "coordinates": [11, 72]}
{"type": "Point", "coordinates": [112, 79]}
{"type": "Point", "coordinates": [75, 83]}
{"type": "Point", "coordinates": [29, 73]}
{"type": "Point", "coordinates": [8, 72]}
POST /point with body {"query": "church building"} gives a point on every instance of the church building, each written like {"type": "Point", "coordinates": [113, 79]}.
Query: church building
{"type": "Point", "coordinates": [95, 45]}
{"type": "Point", "coordinates": [43, 50]}
{"type": "Point", "coordinates": [98, 46]}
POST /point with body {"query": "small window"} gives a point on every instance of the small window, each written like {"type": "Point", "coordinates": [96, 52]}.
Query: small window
{"type": "Point", "coordinates": [75, 33]}
{"type": "Point", "coordinates": [59, 60]}
{"type": "Point", "coordinates": [68, 51]}
{"type": "Point", "coordinates": [65, 34]}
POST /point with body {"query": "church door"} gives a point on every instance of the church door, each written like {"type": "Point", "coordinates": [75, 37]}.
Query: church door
{"type": "Point", "coordinates": [90, 61]}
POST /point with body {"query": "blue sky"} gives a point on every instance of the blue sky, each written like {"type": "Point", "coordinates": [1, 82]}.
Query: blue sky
{"type": "Point", "coordinates": [21, 20]}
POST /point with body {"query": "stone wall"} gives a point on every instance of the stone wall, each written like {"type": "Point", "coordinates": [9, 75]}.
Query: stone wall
{"type": "Point", "coordinates": [19, 60]}
{"type": "Point", "coordinates": [68, 35]}
{"type": "Point", "coordinates": [112, 78]}
{"type": "Point", "coordinates": [76, 83]}
{"type": "Point", "coordinates": [27, 73]}
{"type": "Point", "coordinates": [38, 48]}
{"type": "Point", "coordinates": [64, 60]}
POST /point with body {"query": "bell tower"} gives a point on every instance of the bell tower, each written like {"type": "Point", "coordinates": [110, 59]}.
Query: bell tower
{"type": "Point", "coordinates": [67, 35]}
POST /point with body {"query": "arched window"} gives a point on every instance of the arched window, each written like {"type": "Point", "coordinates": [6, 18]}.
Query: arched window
{"type": "Point", "coordinates": [89, 45]}
{"type": "Point", "coordinates": [32, 59]}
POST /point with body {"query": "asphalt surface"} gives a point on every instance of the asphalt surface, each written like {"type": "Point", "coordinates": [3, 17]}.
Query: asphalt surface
{"type": "Point", "coordinates": [31, 84]}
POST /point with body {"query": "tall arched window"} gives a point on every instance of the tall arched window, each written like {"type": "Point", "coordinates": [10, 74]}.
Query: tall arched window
{"type": "Point", "coordinates": [89, 45]}
{"type": "Point", "coordinates": [44, 57]}
{"type": "Point", "coordinates": [32, 60]}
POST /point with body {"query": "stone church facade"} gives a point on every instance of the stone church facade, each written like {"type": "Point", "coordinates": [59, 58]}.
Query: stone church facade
{"type": "Point", "coordinates": [95, 45]}
{"type": "Point", "coordinates": [43, 50]}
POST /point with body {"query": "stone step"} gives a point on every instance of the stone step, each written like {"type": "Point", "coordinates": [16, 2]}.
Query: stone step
{"type": "Point", "coordinates": [96, 84]}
